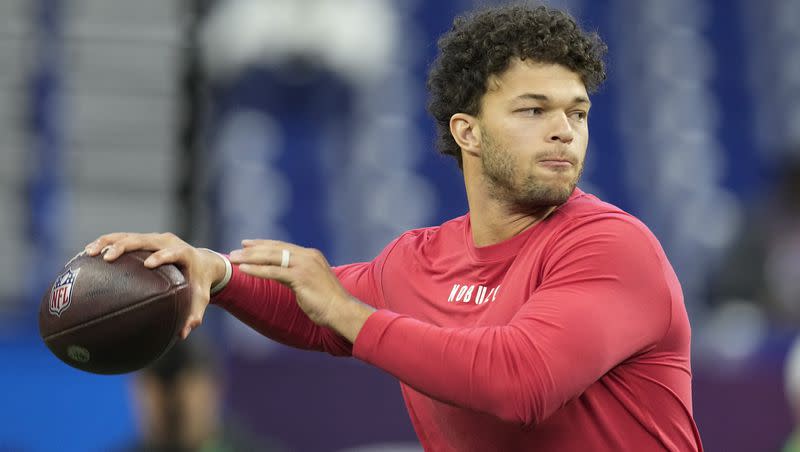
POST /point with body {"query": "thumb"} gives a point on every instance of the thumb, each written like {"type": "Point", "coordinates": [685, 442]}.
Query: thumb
{"type": "Point", "coordinates": [199, 302]}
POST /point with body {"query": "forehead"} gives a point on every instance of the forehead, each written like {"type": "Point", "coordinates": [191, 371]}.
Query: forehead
{"type": "Point", "coordinates": [526, 76]}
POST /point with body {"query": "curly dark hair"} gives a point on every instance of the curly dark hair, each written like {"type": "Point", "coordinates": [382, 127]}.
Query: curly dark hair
{"type": "Point", "coordinates": [483, 43]}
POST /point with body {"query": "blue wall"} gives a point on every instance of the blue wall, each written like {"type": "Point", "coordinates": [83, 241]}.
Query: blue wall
{"type": "Point", "coordinates": [687, 128]}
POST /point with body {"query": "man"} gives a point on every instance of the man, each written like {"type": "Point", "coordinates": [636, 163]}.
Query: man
{"type": "Point", "coordinates": [178, 405]}
{"type": "Point", "coordinates": [544, 319]}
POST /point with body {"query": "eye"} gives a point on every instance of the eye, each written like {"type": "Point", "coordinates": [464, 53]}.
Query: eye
{"type": "Point", "coordinates": [580, 115]}
{"type": "Point", "coordinates": [532, 111]}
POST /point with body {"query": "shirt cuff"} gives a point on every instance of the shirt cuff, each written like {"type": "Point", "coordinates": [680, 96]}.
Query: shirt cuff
{"type": "Point", "coordinates": [369, 339]}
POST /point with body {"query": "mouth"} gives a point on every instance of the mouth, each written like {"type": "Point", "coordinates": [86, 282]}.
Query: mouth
{"type": "Point", "coordinates": [556, 164]}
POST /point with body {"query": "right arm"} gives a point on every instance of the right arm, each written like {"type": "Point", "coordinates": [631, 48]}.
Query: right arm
{"type": "Point", "coordinates": [265, 305]}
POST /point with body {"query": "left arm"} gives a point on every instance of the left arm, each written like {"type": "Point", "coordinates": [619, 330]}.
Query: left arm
{"type": "Point", "coordinates": [604, 299]}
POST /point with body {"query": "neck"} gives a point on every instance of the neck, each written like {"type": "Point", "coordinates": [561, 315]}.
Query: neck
{"type": "Point", "coordinates": [489, 229]}
{"type": "Point", "coordinates": [493, 221]}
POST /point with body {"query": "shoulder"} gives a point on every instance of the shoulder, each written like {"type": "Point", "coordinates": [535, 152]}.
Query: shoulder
{"type": "Point", "coordinates": [584, 213]}
{"type": "Point", "coordinates": [582, 205]}
{"type": "Point", "coordinates": [586, 224]}
{"type": "Point", "coordinates": [433, 240]}
{"type": "Point", "coordinates": [421, 236]}
{"type": "Point", "coordinates": [596, 238]}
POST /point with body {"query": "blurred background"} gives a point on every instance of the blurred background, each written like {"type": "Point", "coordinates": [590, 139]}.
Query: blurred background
{"type": "Point", "coordinates": [304, 120]}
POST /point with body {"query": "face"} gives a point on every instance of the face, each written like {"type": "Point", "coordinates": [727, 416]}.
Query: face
{"type": "Point", "coordinates": [533, 134]}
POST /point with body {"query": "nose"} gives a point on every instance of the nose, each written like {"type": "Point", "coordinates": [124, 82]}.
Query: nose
{"type": "Point", "coordinates": [561, 130]}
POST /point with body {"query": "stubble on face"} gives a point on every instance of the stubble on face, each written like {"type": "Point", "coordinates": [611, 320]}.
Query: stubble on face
{"type": "Point", "coordinates": [512, 182]}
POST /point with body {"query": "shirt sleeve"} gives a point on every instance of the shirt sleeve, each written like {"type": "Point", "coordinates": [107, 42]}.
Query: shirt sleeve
{"type": "Point", "coordinates": [271, 308]}
{"type": "Point", "coordinates": [604, 298]}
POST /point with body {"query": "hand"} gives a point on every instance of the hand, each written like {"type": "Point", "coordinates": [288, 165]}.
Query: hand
{"type": "Point", "coordinates": [317, 289]}
{"type": "Point", "coordinates": [202, 268]}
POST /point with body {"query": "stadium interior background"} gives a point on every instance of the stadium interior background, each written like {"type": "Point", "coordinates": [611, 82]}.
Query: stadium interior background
{"type": "Point", "coordinates": [305, 120]}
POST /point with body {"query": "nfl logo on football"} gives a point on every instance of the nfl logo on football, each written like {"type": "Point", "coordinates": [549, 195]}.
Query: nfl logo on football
{"type": "Point", "coordinates": [60, 296]}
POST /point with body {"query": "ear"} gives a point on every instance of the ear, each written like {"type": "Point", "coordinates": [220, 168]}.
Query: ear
{"type": "Point", "coordinates": [467, 133]}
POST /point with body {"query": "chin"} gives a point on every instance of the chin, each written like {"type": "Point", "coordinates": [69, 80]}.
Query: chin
{"type": "Point", "coordinates": [541, 195]}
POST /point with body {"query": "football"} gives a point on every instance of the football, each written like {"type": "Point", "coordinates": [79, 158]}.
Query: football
{"type": "Point", "coordinates": [113, 317]}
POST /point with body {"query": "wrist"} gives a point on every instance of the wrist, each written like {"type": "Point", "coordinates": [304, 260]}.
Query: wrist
{"type": "Point", "coordinates": [221, 270]}
{"type": "Point", "coordinates": [350, 318]}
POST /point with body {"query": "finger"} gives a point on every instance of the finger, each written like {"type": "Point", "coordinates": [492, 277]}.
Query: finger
{"type": "Point", "coordinates": [254, 243]}
{"type": "Point", "coordinates": [200, 299]}
{"type": "Point", "coordinates": [95, 247]}
{"type": "Point", "coordinates": [268, 252]}
{"type": "Point", "coordinates": [280, 274]}
{"type": "Point", "coordinates": [171, 255]}
{"type": "Point", "coordinates": [247, 243]}
{"type": "Point", "coordinates": [194, 321]}
{"type": "Point", "coordinates": [133, 242]}
{"type": "Point", "coordinates": [259, 255]}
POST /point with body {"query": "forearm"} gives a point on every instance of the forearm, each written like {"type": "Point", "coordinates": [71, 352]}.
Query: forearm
{"type": "Point", "coordinates": [482, 369]}
{"type": "Point", "coordinates": [270, 308]}
{"type": "Point", "coordinates": [549, 353]}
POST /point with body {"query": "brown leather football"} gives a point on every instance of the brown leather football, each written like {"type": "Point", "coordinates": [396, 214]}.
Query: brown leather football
{"type": "Point", "coordinates": [113, 317]}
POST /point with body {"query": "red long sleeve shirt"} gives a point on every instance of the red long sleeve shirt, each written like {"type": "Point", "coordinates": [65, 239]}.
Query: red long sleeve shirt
{"type": "Point", "coordinates": [571, 336]}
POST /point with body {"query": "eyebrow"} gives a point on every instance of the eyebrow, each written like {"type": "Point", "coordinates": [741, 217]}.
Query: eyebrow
{"type": "Point", "coordinates": [543, 98]}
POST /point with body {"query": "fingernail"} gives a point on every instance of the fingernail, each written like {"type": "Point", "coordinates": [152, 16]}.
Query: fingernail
{"type": "Point", "coordinates": [149, 262]}
{"type": "Point", "coordinates": [236, 254]}
{"type": "Point", "coordinates": [107, 252]}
